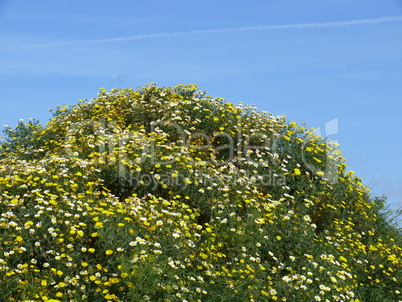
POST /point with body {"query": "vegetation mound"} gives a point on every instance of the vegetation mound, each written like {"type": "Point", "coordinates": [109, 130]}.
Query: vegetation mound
{"type": "Point", "coordinates": [168, 194]}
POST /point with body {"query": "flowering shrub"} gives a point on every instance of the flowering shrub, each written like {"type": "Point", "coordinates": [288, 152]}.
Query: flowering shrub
{"type": "Point", "coordinates": [168, 194]}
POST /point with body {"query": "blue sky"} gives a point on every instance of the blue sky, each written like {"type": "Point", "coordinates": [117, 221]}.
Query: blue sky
{"type": "Point", "coordinates": [312, 61]}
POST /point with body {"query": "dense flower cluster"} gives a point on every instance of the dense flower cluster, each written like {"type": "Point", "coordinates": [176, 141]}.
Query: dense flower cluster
{"type": "Point", "coordinates": [167, 194]}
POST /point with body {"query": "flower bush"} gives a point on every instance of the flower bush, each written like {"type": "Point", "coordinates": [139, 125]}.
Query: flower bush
{"type": "Point", "coordinates": [168, 194]}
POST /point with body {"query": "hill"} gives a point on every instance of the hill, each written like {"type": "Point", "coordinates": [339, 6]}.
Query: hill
{"type": "Point", "coordinates": [168, 194]}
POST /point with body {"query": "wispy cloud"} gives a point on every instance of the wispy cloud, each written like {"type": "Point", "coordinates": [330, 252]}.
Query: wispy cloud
{"type": "Point", "coordinates": [214, 31]}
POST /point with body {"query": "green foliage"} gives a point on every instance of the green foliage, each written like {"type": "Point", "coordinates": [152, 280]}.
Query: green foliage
{"type": "Point", "coordinates": [168, 194]}
{"type": "Point", "coordinates": [24, 140]}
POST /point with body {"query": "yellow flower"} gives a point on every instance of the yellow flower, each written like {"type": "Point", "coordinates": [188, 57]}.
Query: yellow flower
{"type": "Point", "coordinates": [62, 284]}
{"type": "Point", "coordinates": [109, 252]}
{"type": "Point", "coordinates": [99, 225]}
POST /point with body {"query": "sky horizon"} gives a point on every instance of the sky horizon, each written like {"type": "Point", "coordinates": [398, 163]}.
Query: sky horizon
{"type": "Point", "coordinates": [312, 61]}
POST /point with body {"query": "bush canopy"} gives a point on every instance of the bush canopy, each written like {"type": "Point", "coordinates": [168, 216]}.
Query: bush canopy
{"type": "Point", "coordinates": [168, 194]}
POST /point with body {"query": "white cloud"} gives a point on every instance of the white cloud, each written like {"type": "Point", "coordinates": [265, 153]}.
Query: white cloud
{"type": "Point", "coordinates": [215, 31]}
